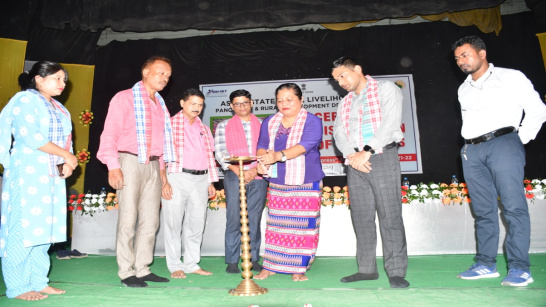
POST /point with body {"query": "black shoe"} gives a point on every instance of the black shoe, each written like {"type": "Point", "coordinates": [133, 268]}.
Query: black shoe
{"type": "Point", "coordinates": [360, 276]}
{"type": "Point", "coordinates": [134, 282]}
{"type": "Point", "coordinates": [256, 266]}
{"type": "Point", "coordinates": [398, 282]}
{"type": "Point", "coordinates": [154, 278]}
{"type": "Point", "coordinates": [232, 268]}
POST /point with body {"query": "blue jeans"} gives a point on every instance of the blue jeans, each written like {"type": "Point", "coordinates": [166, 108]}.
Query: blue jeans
{"type": "Point", "coordinates": [492, 169]}
{"type": "Point", "coordinates": [256, 192]}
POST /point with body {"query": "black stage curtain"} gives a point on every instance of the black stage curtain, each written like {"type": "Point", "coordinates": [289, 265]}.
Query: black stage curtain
{"type": "Point", "coordinates": [423, 50]}
{"type": "Point", "coordinates": [153, 15]}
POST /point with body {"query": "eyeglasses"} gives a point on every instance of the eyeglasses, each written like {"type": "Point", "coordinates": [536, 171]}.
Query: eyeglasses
{"type": "Point", "coordinates": [238, 104]}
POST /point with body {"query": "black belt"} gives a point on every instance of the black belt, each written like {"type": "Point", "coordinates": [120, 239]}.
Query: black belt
{"type": "Point", "coordinates": [152, 158]}
{"type": "Point", "coordinates": [195, 172]}
{"type": "Point", "coordinates": [490, 135]}
{"type": "Point", "coordinates": [388, 146]}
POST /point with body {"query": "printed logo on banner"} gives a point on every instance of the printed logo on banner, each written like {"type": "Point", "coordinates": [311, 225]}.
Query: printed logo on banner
{"type": "Point", "coordinates": [216, 93]}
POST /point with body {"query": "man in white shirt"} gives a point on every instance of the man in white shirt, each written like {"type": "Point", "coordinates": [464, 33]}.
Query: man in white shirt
{"type": "Point", "coordinates": [492, 102]}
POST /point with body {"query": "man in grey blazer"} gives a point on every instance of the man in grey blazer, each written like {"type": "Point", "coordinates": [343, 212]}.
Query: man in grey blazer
{"type": "Point", "coordinates": [367, 132]}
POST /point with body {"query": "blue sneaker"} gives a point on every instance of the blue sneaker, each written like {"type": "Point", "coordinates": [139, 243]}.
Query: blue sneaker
{"type": "Point", "coordinates": [517, 278]}
{"type": "Point", "coordinates": [477, 271]}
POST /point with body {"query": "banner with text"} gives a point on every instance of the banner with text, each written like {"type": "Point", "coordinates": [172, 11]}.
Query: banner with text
{"type": "Point", "coordinates": [321, 97]}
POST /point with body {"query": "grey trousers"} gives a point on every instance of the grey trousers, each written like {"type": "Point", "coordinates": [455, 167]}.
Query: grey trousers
{"type": "Point", "coordinates": [378, 191]}
{"type": "Point", "coordinates": [138, 218]}
{"type": "Point", "coordinates": [184, 220]}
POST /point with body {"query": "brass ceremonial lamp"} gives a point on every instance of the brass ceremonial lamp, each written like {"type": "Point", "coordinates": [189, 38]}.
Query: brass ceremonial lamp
{"type": "Point", "coordinates": [247, 287]}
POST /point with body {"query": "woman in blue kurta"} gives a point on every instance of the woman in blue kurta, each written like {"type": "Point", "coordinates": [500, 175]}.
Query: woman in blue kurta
{"type": "Point", "coordinates": [288, 153]}
{"type": "Point", "coordinates": [36, 164]}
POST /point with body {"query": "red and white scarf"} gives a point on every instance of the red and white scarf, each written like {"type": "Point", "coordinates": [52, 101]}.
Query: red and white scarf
{"type": "Point", "coordinates": [236, 143]}
{"type": "Point", "coordinates": [295, 168]}
{"type": "Point", "coordinates": [374, 109]}
{"type": "Point", "coordinates": [178, 136]}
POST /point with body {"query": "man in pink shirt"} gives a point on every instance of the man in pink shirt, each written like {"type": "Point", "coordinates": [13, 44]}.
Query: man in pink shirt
{"type": "Point", "coordinates": [188, 188]}
{"type": "Point", "coordinates": [135, 144]}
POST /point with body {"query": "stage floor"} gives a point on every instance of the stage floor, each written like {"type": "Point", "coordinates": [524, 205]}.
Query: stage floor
{"type": "Point", "coordinates": [93, 281]}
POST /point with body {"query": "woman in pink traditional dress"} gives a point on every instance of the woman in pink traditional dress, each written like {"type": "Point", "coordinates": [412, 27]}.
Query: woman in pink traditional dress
{"type": "Point", "coordinates": [288, 156]}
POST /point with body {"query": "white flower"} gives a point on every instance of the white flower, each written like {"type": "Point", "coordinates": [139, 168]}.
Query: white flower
{"type": "Point", "coordinates": [43, 159]}
{"type": "Point", "coordinates": [36, 211]}
{"type": "Point", "coordinates": [25, 223]}
{"type": "Point", "coordinates": [100, 201]}
{"type": "Point", "coordinates": [29, 118]}
{"type": "Point", "coordinates": [543, 181]}
{"type": "Point", "coordinates": [434, 186]}
{"type": "Point", "coordinates": [30, 169]}
{"type": "Point", "coordinates": [86, 208]}
{"type": "Point", "coordinates": [46, 199]}
{"type": "Point", "coordinates": [540, 196]}
{"type": "Point", "coordinates": [23, 131]}
{"type": "Point", "coordinates": [38, 231]}
{"type": "Point", "coordinates": [413, 187]}
{"type": "Point", "coordinates": [16, 110]}
{"type": "Point", "coordinates": [535, 181]}
{"type": "Point", "coordinates": [538, 187]}
{"type": "Point", "coordinates": [32, 190]}
{"type": "Point", "coordinates": [87, 202]}
{"type": "Point", "coordinates": [88, 195]}
{"type": "Point", "coordinates": [414, 192]}
{"type": "Point", "coordinates": [424, 186]}
{"type": "Point", "coordinates": [44, 179]}
{"type": "Point", "coordinates": [436, 192]}
{"type": "Point", "coordinates": [424, 193]}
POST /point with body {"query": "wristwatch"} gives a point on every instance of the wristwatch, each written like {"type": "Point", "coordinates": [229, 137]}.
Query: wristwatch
{"type": "Point", "coordinates": [368, 148]}
{"type": "Point", "coordinates": [283, 157]}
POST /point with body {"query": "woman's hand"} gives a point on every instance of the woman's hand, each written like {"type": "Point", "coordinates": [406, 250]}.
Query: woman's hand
{"type": "Point", "coordinates": [269, 157]}
{"type": "Point", "coordinates": [70, 164]}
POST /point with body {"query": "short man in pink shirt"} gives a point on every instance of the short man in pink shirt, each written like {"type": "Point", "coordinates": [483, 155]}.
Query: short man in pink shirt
{"type": "Point", "coordinates": [135, 144]}
{"type": "Point", "coordinates": [188, 187]}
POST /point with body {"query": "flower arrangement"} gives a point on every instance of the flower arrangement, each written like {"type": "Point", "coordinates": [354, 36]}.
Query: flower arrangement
{"type": "Point", "coordinates": [83, 156]}
{"type": "Point", "coordinates": [92, 203]}
{"type": "Point", "coordinates": [86, 118]}
{"type": "Point", "coordinates": [535, 189]}
{"type": "Point", "coordinates": [335, 196]}
{"type": "Point", "coordinates": [447, 194]}
{"type": "Point", "coordinates": [217, 201]}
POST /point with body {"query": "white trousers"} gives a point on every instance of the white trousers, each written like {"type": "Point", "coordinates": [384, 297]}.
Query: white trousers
{"type": "Point", "coordinates": [184, 220]}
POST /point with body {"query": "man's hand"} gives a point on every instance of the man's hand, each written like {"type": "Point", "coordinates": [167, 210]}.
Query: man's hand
{"type": "Point", "coordinates": [212, 191]}
{"type": "Point", "coordinates": [167, 191]}
{"type": "Point", "coordinates": [250, 174]}
{"type": "Point", "coordinates": [360, 161]}
{"type": "Point", "coordinates": [115, 179]}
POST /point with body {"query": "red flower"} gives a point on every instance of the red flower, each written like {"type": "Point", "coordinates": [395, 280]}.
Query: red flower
{"type": "Point", "coordinates": [404, 193]}
{"type": "Point", "coordinates": [528, 187]}
{"type": "Point", "coordinates": [405, 188]}
{"type": "Point", "coordinates": [79, 201]}
{"type": "Point", "coordinates": [81, 195]}
{"type": "Point", "coordinates": [404, 200]}
{"type": "Point", "coordinates": [529, 195]}
{"type": "Point", "coordinates": [72, 196]}
{"type": "Point", "coordinates": [80, 208]}
{"type": "Point", "coordinates": [70, 208]}
{"type": "Point", "coordinates": [526, 181]}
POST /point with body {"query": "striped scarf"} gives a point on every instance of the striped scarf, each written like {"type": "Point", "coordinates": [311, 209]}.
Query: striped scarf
{"type": "Point", "coordinates": [236, 143]}
{"type": "Point", "coordinates": [143, 119]}
{"type": "Point", "coordinates": [373, 112]}
{"type": "Point", "coordinates": [295, 168]}
{"type": "Point", "coordinates": [178, 128]}
{"type": "Point", "coordinates": [56, 130]}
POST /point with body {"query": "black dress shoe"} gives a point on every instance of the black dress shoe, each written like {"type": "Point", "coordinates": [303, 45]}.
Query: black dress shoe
{"type": "Point", "coordinates": [232, 268]}
{"type": "Point", "coordinates": [256, 266]}
{"type": "Point", "coordinates": [154, 278]}
{"type": "Point", "coordinates": [134, 282]}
